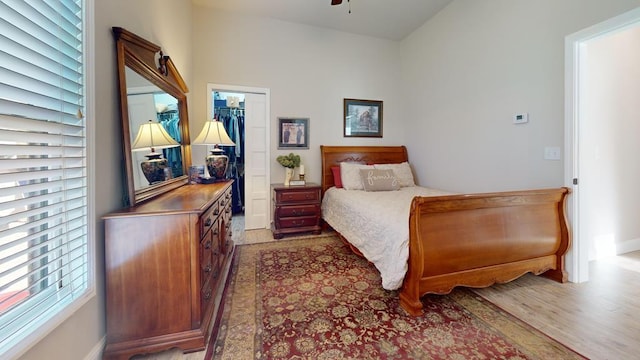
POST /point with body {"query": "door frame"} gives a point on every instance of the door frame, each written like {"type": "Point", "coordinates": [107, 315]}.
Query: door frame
{"type": "Point", "coordinates": [249, 90]}
{"type": "Point", "coordinates": [577, 257]}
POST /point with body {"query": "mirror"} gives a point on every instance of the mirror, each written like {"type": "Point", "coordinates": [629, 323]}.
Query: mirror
{"type": "Point", "coordinates": [153, 94]}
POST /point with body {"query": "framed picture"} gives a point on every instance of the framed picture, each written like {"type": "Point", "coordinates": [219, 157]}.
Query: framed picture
{"type": "Point", "coordinates": [362, 118]}
{"type": "Point", "coordinates": [293, 133]}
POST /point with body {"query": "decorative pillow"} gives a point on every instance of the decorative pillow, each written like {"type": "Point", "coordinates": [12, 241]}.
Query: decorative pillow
{"type": "Point", "coordinates": [402, 171]}
{"type": "Point", "coordinates": [337, 180]}
{"type": "Point", "coordinates": [350, 175]}
{"type": "Point", "coordinates": [378, 180]}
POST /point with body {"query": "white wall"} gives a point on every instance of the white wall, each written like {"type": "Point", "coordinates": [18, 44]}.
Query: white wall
{"type": "Point", "coordinates": [464, 74]}
{"type": "Point", "coordinates": [308, 70]}
{"type": "Point", "coordinates": [609, 146]}
{"type": "Point", "coordinates": [473, 66]}
{"type": "Point", "coordinates": [167, 23]}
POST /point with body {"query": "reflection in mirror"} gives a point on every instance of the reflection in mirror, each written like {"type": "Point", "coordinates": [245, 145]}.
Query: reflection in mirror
{"type": "Point", "coordinates": [152, 96]}
{"type": "Point", "coordinates": [147, 102]}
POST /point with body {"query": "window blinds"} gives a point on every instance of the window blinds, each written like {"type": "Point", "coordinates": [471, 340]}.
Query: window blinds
{"type": "Point", "coordinates": [43, 186]}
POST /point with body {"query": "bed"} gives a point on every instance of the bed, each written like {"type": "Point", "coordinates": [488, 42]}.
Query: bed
{"type": "Point", "coordinates": [446, 240]}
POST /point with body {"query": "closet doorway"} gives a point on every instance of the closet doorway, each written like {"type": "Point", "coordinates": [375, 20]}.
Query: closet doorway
{"type": "Point", "coordinates": [245, 113]}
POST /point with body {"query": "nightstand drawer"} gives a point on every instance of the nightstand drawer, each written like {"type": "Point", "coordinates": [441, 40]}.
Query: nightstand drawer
{"type": "Point", "coordinates": [296, 222]}
{"type": "Point", "coordinates": [297, 196]}
{"type": "Point", "coordinates": [297, 210]}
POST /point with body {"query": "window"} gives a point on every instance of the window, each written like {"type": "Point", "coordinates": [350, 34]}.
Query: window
{"type": "Point", "coordinates": [45, 256]}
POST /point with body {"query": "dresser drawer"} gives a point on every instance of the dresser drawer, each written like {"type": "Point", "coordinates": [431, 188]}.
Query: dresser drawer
{"type": "Point", "coordinates": [206, 293]}
{"type": "Point", "coordinates": [297, 196]}
{"type": "Point", "coordinates": [209, 250]}
{"type": "Point", "coordinates": [208, 219]}
{"type": "Point", "coordinates": [298, 210]}
{"type": "Point", "coordinates": [303, 221]}
{"type": "Point", "coordinates": [225, 200]}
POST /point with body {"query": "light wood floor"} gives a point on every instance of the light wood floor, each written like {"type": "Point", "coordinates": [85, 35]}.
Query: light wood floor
{"type": "Point", "coordinates": [600, 319]}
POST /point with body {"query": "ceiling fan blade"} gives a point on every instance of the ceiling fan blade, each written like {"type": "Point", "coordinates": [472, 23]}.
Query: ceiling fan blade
{"type": "Point", "coordinates": [336, 2]}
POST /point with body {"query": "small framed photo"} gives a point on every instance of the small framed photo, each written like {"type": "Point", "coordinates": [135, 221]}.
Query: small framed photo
{"type": "Point", "coordinates": [362, 118]}
{"type": "Point", "coordinates": [293, 133]}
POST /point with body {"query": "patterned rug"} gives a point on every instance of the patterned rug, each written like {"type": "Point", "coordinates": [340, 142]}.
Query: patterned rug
{"type": "Point", "coordinates": [314, 299]}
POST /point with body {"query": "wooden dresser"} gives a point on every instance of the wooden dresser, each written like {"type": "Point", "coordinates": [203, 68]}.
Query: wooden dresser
{"type": "Point", "coordinates": [296, 209]}
{"type": "Point", "coordinates": [166, 260]}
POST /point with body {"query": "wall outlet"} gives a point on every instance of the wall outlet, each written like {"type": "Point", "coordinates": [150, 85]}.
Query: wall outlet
{"type": "Point", "coordinates": [521, 118]}
{"type": "Point", "coordinates": [552, 153]}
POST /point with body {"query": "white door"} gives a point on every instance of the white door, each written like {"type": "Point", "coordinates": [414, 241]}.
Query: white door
{"type": "Point", "coordinates": [256, 181]}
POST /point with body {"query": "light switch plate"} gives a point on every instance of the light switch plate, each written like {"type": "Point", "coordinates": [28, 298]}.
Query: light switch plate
{"type": "Point", "coordinates": [552, 153]}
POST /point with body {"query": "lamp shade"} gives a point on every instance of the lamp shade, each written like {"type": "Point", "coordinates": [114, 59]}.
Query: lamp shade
{"type": "Point", "coordinates": [152, 136]}
{"type": "Point", "coordinates": [213, 133]}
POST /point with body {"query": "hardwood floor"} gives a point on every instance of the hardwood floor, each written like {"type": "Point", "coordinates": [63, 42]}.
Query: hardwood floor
{"type": "Point", "coordinates": [600, 318]}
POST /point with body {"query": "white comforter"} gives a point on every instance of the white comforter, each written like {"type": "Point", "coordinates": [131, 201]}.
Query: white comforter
{"type": "Point", "coordinates": [377, 223]}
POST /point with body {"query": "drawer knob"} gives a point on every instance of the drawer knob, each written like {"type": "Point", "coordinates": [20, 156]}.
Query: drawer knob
{"type": "Point", "coordinates": [207, 268]}
{"type": "Point", "coordinates": [207, 222]}
{"type": "Point", "coordinates": [207, 245]}
{"type": "Point", "coordinates": [207, 295]}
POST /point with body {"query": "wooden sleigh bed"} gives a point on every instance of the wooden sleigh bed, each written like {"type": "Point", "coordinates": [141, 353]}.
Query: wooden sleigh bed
{"type": "Point", "coordinates": [473, 240]}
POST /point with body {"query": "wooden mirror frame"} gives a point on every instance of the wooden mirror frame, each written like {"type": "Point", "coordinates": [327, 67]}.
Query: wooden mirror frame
{"type": "Point", "coordinates": [146, 59]}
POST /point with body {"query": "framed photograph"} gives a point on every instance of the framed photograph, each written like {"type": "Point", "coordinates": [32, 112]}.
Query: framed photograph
{"type": "Point", "coordinates": [293, 133]}
{"type": "Point", "coordinates": [362, 118]}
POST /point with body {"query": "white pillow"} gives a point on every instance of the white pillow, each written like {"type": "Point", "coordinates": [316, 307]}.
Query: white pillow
{"type": "Point", "coordinates": [402, 171]}
{"type": "Point", "coordinates": [350, 175]}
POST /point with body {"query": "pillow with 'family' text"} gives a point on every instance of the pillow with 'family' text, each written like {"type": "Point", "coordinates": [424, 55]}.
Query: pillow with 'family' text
{"type": "Point", "coordinates": [402, 172]}
{"type": "Point", "coordinates": [379, 180]}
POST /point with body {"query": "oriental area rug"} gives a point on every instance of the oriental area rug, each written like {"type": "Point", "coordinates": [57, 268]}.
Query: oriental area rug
{"type": "Point", "coordinates": [314, 299]}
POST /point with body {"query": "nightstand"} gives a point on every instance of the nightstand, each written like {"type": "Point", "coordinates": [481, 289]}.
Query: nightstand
{"type": "Point", "coordinates": [296, 209]}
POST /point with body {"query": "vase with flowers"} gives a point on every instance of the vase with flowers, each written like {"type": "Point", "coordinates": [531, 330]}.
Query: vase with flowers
{"type": "Point", "coordinates": [289, 162]}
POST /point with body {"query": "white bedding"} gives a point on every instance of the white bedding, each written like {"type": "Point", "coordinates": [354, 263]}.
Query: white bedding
{"type": "Point", "coordinates": [377, 223]}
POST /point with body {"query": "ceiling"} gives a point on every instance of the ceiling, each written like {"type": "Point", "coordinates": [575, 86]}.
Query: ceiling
{"type": "Point", "coordinates": [387, 19]}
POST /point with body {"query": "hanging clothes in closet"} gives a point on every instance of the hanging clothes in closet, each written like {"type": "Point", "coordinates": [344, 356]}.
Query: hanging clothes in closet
{"type": "Point", "coordinates": [170, 122]}
{"type": "Point", "coordinates": [233, 121]}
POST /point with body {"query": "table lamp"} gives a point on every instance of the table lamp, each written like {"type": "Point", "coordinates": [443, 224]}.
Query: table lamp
{"type": "Point", "coordinates": [152, 136]}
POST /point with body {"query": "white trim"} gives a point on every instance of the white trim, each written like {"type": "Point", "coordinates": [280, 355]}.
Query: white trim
{"type": "Point", "coordinates": [578, 258]}
{"type": "Point", "coordinates": [96, 350]}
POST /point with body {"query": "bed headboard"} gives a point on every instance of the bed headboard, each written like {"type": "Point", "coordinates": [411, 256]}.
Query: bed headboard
{"type": "Point", "coordinates": [334, 155]}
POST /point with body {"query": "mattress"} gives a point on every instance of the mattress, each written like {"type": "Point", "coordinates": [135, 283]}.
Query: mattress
{"type": "Point", "coordinates": [377, 224]}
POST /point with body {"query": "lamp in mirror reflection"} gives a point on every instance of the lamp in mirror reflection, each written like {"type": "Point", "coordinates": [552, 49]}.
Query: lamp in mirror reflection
{"type": "Point", "coordinates": [152, 137]}
{"type": "Point", "coordinates": [213, 133]}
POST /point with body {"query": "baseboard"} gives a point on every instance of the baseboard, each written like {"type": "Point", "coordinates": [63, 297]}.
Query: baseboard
{"type": "Point", "coordinates": [96, 351]}
{"type": "Point", "coordinates": [627, 246]}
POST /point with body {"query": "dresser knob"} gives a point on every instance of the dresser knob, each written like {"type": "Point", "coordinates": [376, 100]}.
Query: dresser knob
{"type": "Point", "coordinates": [207, 222]}
{"type": "Point", "coordinates": [207, 295]}
{"type": "Point", "coordinates": [207, 245]}
{"type": "Point", "coordinates": [207, 269]}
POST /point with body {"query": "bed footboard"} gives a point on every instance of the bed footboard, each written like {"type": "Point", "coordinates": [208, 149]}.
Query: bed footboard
{"type": "Point", "coordinates": [478, 240]}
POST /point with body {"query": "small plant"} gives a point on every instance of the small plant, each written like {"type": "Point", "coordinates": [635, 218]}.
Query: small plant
{"type": "Point", "coordinates": [289, 161]}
